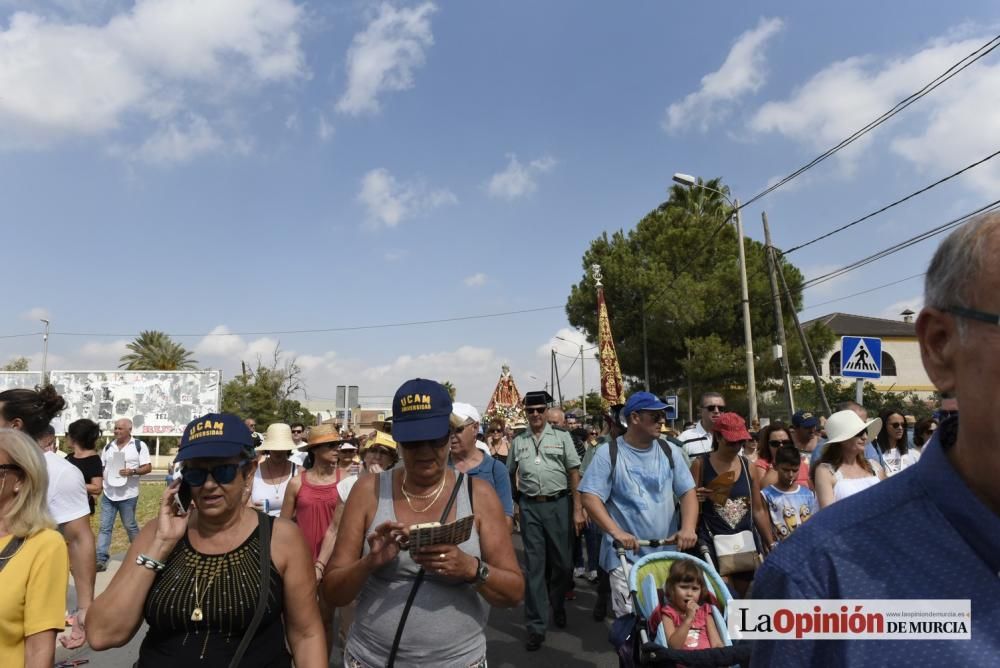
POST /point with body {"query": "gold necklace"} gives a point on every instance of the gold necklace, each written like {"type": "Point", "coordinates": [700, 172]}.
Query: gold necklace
{"type": "Point", "coordinates": [197, 615]}
{"type": "Point", "coordinates": [411, 495]}
{"type": "Point", "coordinates": [436, 495]}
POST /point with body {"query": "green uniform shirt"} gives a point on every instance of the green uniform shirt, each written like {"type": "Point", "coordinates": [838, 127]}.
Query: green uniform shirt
{"type": "Point", "coordinates": [543, 466]}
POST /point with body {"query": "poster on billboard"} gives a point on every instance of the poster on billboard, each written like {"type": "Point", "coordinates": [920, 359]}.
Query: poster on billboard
{"type": "Point", "coordinates": [12, 380]}
{"type": "Point", "coordinates": [159, 403]}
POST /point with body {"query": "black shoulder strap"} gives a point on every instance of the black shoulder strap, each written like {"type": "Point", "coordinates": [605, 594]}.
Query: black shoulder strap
{"type": "Point", "coordinates": [469, 481]}
{"type": "Point", "coordinates": [420, 574]}
{"type": "Point", "coordinates": [613, 454]}
{"type": "Point", "coordinates": [12, 547]}
{"type": "Point", "coordinates": [668, 451]}
{"type": "Point", "coordinates": [264, 534]}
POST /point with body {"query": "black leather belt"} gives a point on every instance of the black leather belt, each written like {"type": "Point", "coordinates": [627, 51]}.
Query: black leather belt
{"type": "Point", "coordinates": [541, 498]}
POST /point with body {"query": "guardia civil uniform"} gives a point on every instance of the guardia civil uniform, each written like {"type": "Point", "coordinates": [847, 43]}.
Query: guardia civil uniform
{"type": "Point", "coordinates": [542, 465]}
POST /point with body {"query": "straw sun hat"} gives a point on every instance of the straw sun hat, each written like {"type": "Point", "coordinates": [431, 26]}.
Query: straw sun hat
{"type": "Point", "coordinates": [845, 425]}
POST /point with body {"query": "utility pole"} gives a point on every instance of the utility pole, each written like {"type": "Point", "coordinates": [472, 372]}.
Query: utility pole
{"type": "Point", "coordinates": [805, 344]}
{"type": "Point", "coordinates": [45, 353]}
{"type": "Point", "coordinates": [552, 374]}
{"type": "Point", "coordinates": [772, 262]}
{"type": "Point", "coordinates": [645, 349]}
{"type": "Point", "coordinates": [583, 384]}
{"type": "Point", "coordinates": [747, 334]}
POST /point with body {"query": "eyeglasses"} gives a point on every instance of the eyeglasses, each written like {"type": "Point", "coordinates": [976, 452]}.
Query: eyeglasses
{"type": "Point", "coordinates": [496, 431]}
{"type": "Point", "coordinates": [895, 425]}
{"type": "Point", "coordinates": [296, 431]}
{"type": "Point", "coordinates": [862, 434]}
{"type": "Point", "coordinates": [778, 444]}
{"type": "Point", "coordinates": [223, 474]}
{"type": "Point", "coordinates": [10, 467]}
{"type": "Point", "coordinates": [973, 314]}
{"type": "Point", "coordinates": [658, 416]}
{"type": "Point", "coordinates": [713, 408]}
{"type": "Point", "coordinates": [456, 431]}
{"type": "Point", "coordinates": [534, 410]}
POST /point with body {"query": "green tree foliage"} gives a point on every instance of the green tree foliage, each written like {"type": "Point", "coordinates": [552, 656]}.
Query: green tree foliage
{"type": "Point", "coordinates": [265, 393]}
{"type": "Point", "coordinates": [16, 364]}
{"type": "Point", "coordinates": [448, 385]}
{"type": "Point", "coordinates": [680, 265]}
{"type": "Point", "coordinates": [839, 390]}
{"type": "Point", "coordinates": [595, 406]}
{"type": "Point", "coordinates": [155, 351]}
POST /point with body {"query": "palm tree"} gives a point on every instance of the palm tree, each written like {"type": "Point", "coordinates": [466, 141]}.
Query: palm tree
{"type": "Point", "coordinates": [705, 203]}
{"type": "Point", "coordinates": [155, 351]}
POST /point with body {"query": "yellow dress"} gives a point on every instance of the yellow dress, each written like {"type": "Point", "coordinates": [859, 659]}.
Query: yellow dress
{"type": "Point", "coordinates": [34, 584]}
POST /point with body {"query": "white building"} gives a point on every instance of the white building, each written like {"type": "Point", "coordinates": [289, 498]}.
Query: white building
{"type": "Point", "coordinates": [902, 370]}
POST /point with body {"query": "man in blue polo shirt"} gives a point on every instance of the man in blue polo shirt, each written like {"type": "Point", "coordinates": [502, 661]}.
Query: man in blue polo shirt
{"type": "Point", "coordinates": [635, 499]}
{"type": "Point", "coordinates": [940, 517]}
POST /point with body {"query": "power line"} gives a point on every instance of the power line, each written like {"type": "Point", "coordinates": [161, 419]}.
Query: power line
{"type": "Point", "coordinates": [889, 206]}
{"type": "Point", "coordinates": [898, 107]}
{"type": "Point", "coordinates": [20, 336]}
{"type": "Point", "coordinates": [563, 377]}
{"type": "Point", "coordinates": [898, 247]}
{"type": "Point", "coordinates": [331, 329]}
{"type": "Point", "coordinates": [864, 292]}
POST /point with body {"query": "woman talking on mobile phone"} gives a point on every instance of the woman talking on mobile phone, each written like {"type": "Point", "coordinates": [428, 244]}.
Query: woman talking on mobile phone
{"type": "Point", "coordinates": [195, 577]}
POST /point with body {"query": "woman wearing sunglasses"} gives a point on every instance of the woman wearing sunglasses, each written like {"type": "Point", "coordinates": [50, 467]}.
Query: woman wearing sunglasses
{"type": "Point", "coordinates": [457, 583]}
{"type": "Point", "coordinates": [842, 469]}
{"type": "Point", "coordinates": [194, 575]}
{"type": "Point", "coordinates": [892, 443]}
{"type": "Point", "coordinates": [33, 558]}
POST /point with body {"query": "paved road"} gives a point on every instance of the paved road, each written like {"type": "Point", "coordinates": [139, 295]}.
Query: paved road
{"type": "Point", "coordinates": [583, 644]}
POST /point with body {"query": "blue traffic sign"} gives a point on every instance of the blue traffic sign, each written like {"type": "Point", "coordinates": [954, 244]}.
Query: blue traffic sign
{"type": "Point", "coordinates": [671, 402]}
{"type": "Point", "coordinates": [860, 357]}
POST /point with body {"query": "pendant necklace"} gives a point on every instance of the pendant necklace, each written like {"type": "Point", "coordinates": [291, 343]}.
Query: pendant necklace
{"type": "Point", "coordinates": [197, 615]}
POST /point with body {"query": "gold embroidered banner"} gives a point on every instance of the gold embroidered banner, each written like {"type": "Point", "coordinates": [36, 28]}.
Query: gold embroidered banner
{"type": "Point", "coordinates": [611, 374]}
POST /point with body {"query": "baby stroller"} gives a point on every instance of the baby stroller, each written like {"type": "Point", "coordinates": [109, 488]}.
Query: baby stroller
{"type": "Point", "coordinates": [645, 581]}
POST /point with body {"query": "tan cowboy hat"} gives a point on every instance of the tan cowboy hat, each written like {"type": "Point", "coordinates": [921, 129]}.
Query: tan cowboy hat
{"type": "Point", "coordinates": [278, 437]}
{"type": "Point", "coordinates": [322, 434]}
{"type": "Point", "coordinates": [844, 425]}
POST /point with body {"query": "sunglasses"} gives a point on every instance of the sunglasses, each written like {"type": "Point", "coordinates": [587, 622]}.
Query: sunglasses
{"type": "Point", "coordinates": [296, 431]}
{"type": "Point", "coordinates": [496, 431]}
{"type": "Point", "coordinates": [10, 467]}
{"type": "Point", "coordinates": [778, 444]}
{"type": "Point", "coordinates": [223, 474]}
{"type": "Point", "coordinates": [713, 408]}
{"type": "Point", "coordinates": [536, 410]}
{"type": "Point", "coordinates": [437, 444]}
{"type": "Point", "coordinates": [457, 431]}
{"type": "Point", "coordinates": [656, 415]}
{"type": "Point", "coordinates": [895, 425]}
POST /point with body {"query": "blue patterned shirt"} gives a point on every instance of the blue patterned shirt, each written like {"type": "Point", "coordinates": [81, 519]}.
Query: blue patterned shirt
{"type": "Point", "coordinates": [921, 534]}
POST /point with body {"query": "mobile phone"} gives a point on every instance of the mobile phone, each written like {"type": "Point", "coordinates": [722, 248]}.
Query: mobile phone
{"type": "Point", "coordinates": [182, 500]}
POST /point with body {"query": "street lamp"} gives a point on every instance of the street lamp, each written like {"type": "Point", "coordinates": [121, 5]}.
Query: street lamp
{"type": "Point", "coordinates": [690, 182]}
{"type": "Point", "coordinates": [45, 351]}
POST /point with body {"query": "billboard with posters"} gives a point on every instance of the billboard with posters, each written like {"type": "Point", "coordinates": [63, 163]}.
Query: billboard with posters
{"type": "Point", "coordinates": [159, 403]}
{"type": "Point", "coordinates": [12, 380]}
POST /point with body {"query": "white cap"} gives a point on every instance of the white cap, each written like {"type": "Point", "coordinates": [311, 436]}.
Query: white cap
{"type": "Point", "coordinates": [466, 411]}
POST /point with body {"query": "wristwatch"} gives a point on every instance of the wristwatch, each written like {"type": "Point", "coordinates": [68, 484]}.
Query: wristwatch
{"type": "Point", "coordinates": [482, 572]}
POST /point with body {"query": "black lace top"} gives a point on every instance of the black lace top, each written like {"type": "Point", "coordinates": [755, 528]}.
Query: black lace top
{"type": "Point", "coordinates": [223, 589]}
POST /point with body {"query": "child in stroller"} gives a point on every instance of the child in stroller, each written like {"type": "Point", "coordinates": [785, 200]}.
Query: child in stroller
{"type": "Point", "coordinates": [686, 615]}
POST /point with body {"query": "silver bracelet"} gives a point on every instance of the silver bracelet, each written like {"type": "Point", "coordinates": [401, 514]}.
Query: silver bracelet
{"type": "Point", "coordinates": [150, 563]}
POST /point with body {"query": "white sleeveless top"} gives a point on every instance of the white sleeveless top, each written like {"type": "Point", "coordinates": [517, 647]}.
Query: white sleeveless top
{"type": "Point", "coordinates": [269, 495]}
{"type": "Point", "coordinates": [845, 487]}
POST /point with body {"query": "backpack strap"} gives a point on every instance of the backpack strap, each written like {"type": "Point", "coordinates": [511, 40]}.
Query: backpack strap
{"type": "Point", "coordinates": [613, 454]}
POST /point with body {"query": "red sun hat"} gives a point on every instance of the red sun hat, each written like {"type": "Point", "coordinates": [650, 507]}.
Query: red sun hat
{"type": "Point", "coordinates": [732, 427]}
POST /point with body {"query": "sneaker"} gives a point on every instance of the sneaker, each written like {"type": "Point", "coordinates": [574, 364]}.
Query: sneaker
{"type": "Point", "coordinates": [102, 566]}
{"type": "Point", "coordinates": [579, 572]}
{"type": "Point", "coordinates": [592, 576]}
{"type": "Point", "coordinates": [570, 595]}
{"type": "Point", "coordinates": [534, 642]}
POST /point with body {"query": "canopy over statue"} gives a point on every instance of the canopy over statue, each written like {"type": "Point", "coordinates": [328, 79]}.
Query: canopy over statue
{"type": "Point", "coordinates": [505, 403]}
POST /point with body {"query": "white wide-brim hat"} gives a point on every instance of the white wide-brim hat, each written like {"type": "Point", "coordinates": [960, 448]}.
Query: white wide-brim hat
{"type": "Point", "coordinates": [845, 425]}
{"type": "Point", "coordinates": [278, 437]}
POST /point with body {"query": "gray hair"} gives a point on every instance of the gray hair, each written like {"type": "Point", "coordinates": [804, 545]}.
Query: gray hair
{"type": "Point", "coordinates": [957, 262]}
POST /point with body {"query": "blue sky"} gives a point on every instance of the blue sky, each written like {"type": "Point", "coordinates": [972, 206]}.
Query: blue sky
{"type": "Point", "coordinates": [271, 165]}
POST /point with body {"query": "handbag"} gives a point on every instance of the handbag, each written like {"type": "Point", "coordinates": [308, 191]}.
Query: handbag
{"type": "Point", "coordinates": [737, 552]}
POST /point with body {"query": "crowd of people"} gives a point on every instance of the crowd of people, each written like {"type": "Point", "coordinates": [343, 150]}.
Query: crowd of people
{"type": "Point", "coordinates": [390, 547]}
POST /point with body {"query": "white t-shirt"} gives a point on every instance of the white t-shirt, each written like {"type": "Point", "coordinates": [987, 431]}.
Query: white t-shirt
{"type": "Point", "coordinates": [298, 457]}
{"type": "Point", "coordinates": [116, 486]}
{"type": "Point", "coordinates": [894, 462]}
{"type": "Point", "coordinates": [696, 440]}
{"type": "Point", "coordinates": [273, 495]}
{"type": "Point", "coordinates": [482, 446]}
{"type": "Point", "coordinates": [67, 495]}
{"type": "Point", "coordinates": [345, 486]}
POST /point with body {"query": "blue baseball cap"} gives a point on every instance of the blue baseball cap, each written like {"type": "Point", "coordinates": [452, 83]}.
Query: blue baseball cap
{"type": "Point", "coordinates": [421, 411]}
{"type": "Point", "coordinates": [216, 435]}
{"type": "Point", "coordinates": [642, 401]}
{"type": "Point", "coordinates": [804, 419]}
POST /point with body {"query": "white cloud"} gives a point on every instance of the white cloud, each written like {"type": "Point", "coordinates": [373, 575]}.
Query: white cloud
{"type": "Point", "coordinates": [176, 142]}
{"type": "Point", "coordinates": [292, 122]}
{"type": "Point", "coordinates": [518, 180]}
{"type": "Point", "coordinates": [475, 281]}
{"type": "Point", "coordinates": [388, 202]}
{"type": "Point", "coordinates": [742, 72]}
{"type": "Point", "coordinates": [893, 311]}
{"type": "Point", "coordinates": [383, 56]}
{"type": "Point", "coordinates": [395, 255]}
{"type": "Point", "coordinates": [149, 62]}
{"type": "Point", "coordinates": [220, 342]}
{"type": "Point", "coordinates": [574, 338]}
{"type": "Point", "coordinates": [100, 354]}
{"type": "Point", "coordinates": [940, 133]}
{"type": "Point", "coordinates": [35, 314]}
{"type": "Point", "coordinates": [324, 129]}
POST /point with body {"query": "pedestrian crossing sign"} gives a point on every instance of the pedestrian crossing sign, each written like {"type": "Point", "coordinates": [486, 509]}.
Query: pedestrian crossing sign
{"type": "Point", "coordinates": [860, 357]}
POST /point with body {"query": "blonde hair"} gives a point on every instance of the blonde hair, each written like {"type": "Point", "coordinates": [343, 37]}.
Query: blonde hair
{"type": "Point", "coordinates": [28, 511]}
